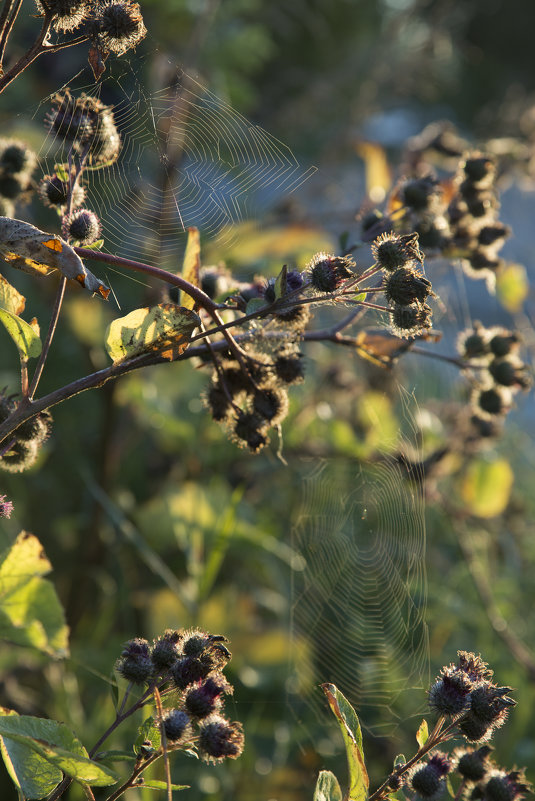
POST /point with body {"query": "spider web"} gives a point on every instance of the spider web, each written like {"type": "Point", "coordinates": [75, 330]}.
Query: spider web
{"type": "Point", "coordinates": [359, 604]}
{"type": "Point", "coordinates": [187, 158]}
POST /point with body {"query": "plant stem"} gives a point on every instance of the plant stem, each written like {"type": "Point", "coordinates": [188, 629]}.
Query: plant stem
{"type": "Point", "coordinates": [49, 337]}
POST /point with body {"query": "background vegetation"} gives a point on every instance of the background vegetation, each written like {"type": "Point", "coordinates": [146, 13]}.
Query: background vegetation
{"type": "Point", "coordinates": [152, 519]}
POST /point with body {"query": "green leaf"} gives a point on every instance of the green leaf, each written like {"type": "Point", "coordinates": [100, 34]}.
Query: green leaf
{"type": "Point", "coordinates": [512, 286]}
{"type": "Point", "coordinates": [30, 611]}
{"type": "Point", "coordinates": [281, 282]}
{"type": "Point", "coordinates": [327, 787]}
{"type": "Point", "coordinates": [10, 299]}
{"type": "Point", "coordinates": [34, 776]}
{"type": "Point", "coordinates": [95, 245]}
{"type": "Point", "coordinates": [56, 744]}
{"type": "Point", "coordinates": [165, 328]}
{"type": "Point", "coordinates": [61, 171]}
{"type": "Point", "coordinates": [486, 487]}
{"type": "Point", "coordinates": [422, 734]}
{"type": "Point", "coordinates": [350, 727]}
{"type": "Point", "coordinates": [23, 335]}
{"type": "Point", "coordinates": [191, 266]}
{"type": "Point", "coordinates": [400, 760]}
{"type": "Point", "coordinates": [155, 784]}
{"type": "Point", "coordinates": [149, 731]}
{"type": "Point", "coordinates": [254, 305]}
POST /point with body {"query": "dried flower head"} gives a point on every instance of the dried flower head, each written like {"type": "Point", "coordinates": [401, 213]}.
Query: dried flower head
{"type": "Point", "coordinates": [82, 226]}
{"type": "Point", "coordinates": [472, 764]}
{"type": "Point", "coordinates": [327, 272]}
{"type": "Point", "coordinates": [119, 26]}
{"type": "Point", "coordinates": [405, 286]}
{"type": "Point", "coordinates": [67, 14]}
{"type": "Point", "coordinates": [54, 191]}
{"type": "Point", "coordinates": [410, 320]}
{"type": "Point", "coordinates": [177, 725]}
{"type": "Point", "coordinates": [87, 124]}
{"type": "Point", "coordinates": [135, 663]}
{"type": "Point", "coordinates": [219, 739]}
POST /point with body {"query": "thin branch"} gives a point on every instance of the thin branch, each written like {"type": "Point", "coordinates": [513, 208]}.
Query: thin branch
{"type": "Point", "coordinates": [7, 20]}
{"type": "Point", "coordinates": [34, 52]}
{"type": "Point", "coordinates": [49, 337]}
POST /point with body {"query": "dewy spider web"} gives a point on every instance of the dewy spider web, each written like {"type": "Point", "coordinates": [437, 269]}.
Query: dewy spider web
{"type": "Point", "coordinates": [359, 604]}
{"type": "Point", "coordinates": [187, 158]}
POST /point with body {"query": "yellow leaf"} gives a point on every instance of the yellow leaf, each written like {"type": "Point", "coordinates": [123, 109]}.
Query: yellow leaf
{"type": "Point", "coordinates": [192, 265]}
{"type": "Point", "coordinates": [378, 177]}
{"type": "Point", "coordinates": [11, 300]}
{"type": "Point", "coordinates": [166, 329]}
{"type": "Point", "coordinates": [512, 286]}
{"type": "Point", "coordinates": [486, 487]}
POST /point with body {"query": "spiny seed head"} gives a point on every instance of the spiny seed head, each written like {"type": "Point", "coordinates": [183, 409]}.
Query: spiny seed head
{"type": "Point", "coordinates": [327, 272]}
{"type": "Point", "coordinates": [491, 401]}
{"type": "Point", "coordinates": [250, 428]}
{"type": "Point", "coordinates": [289, 368]}
{"type": "Point", "coordinates": [295, 318]}
{"type": "Point", "coordinates": [6, 507]}
{"type": "Point", "coordinates": [473, 764]}
{"type": "Point", "coordinates": [35, 429]}
{"type": "Point", "coordinates": [176, 724]}
{"type": "Point", "coordinates": [417, 193]}
{"type": "Point", "coordinates": [410, 320]}
{"type": "Point", "coordinates": [218, 403]}
{"type": "Point", "coordinates": [167, 649]}
{"type": "Point", "coordinates": [87, 124]}
{"type": "Point", "coordinates": [16, 157]}
{"type": "Point", "coordinates": [120, 26]}
{"type": "Point", "coordinates": [135, 663]}
{"type": "Point", "coordinates": [503, 342]}
{"type": "Point", "coordinates": [479, 168]}
{"type": "Point", "coordinates": [405, 286]}
{"type": "Point", "coordinates": [450, 694]}
{"type": "Point", "coordinates": [473, 666]}
{"type": "Point", "coordinates": [20, 457]}
{"type": "Point", "coordinates": [68, 14]}
{"type": "Point", "coordinates": [473, 342]}
{"type": "Point", "coordinates": [506, 786]}
{"type": "Point", "coordinates": [428, 781]}
{"type": "Point", "coordinates": [485, 427]}
{"type": "Point", "coordinates": [510, 372]}
{"type": "Point", "coordinates": [11, 186]}
{"type": "Point", "coordinates": [53, 191]}
{"type": "Point", "coordinates": [389, 252]}
{"type": "Point", "coordinates": [205, 698]}
{"type": "Point", "coordinates": [81, 226]}
{"type": "Point", "coordinates": [475, 730]}
{"type": "Point", "coordinates": [491, 704]}
{"type": "Point", "coordinates": [493, 235]}
{"type": "Point", "coordinates": [219, 739]}
{"type": "Point", "coordinates": [271, 404]}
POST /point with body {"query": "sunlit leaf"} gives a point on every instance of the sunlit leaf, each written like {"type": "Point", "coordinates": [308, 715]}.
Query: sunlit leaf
{"type": "Point", "coordinates": [281, 282]}
{"type": "Point", "coordinates": [486, 487]}
{"type": "Point", "coordinates": [155, 784]}
{"type": "Point", "coordinates": [164, 329]}
{"type": "Point", "coordinates": [10, 299]}
{"type": "Point", "coordinates": [148, 732]}
{"type": "Point", "coordinates": [327, 787]}
{"type": "Point", "coordinates": [30, 611]}
{"type": "Point", "coordinates": [191, 266]}
{"type": "Point", "coordinates": [350, 727]}
{"type": "Point", "coordinates": [512, 286]}
{"type": "Point", "coordinates": [27, 248]}
{"type": "Point", "coordinates": [56, 744]}
{"type": "Point", "coordinates": [22, 333]}
{"type": "Point", "coordinates": [422, 734]}
{"type": "Point", "coordinates": [33, 775]}
{"type": "Point", "coordinates": [378, 176]}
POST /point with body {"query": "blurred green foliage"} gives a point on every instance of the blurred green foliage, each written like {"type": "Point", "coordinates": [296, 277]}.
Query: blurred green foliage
{"type": "Point", "coordinates": [150, 518]}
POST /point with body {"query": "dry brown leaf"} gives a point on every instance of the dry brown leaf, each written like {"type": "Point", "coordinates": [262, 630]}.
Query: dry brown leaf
{"type": "Point", "coordinates": [27, 248]}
